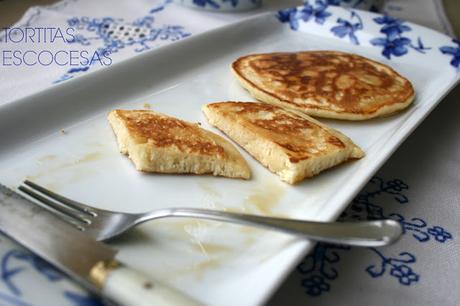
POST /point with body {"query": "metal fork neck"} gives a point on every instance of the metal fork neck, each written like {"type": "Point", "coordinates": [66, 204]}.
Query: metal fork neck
{"type": "Point", "coordinates": [370, 233]}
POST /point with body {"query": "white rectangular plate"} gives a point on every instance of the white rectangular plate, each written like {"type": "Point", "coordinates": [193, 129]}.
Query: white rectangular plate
{"type": "Point", "coordinates": [61, 139]}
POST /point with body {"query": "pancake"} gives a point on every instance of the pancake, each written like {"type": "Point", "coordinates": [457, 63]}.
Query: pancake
{"type": "Point", "coordinates": [329, 84]}
{"type": "Point", "coordinates": [287, 142]}
{"type": "Point", "coordinates": [159, 143]}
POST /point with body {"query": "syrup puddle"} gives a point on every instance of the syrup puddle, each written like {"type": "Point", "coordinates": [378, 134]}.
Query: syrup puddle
{"type": "Point", "coordinates": [265, 198]}
{"type": "Point", "coordinates": [210, 248]}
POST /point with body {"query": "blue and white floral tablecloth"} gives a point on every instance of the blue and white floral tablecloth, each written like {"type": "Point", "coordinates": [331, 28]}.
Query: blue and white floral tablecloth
{"type": "Point", "coordinates": [419, 185]}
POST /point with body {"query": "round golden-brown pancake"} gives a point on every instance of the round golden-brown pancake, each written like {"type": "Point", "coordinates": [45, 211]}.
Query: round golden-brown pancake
{"type": "Point", "coordinates": [328, 84]}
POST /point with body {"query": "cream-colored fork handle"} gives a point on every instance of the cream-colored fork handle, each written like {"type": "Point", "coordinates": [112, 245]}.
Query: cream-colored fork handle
{"type": "Point", "coordinates": [129, 287]}
{"type": "Point", "coordinates": [361, 233]}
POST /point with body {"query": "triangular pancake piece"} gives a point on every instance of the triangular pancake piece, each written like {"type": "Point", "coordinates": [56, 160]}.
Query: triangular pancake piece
{"type": "Point", "coordinates": [159, 143]}
{"type": "Point", "coordinates": [289, 143]}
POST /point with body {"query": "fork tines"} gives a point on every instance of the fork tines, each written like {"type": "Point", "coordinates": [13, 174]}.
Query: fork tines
{"type": "Point", "coordinates": [71, 211]}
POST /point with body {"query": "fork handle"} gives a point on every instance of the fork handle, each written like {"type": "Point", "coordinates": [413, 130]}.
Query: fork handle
{"type": "Point", "coordinates": [363, 233]}
{"type": "Point", "coordinates": [128, 287]}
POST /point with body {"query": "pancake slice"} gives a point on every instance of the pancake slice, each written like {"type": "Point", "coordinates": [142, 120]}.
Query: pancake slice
{"type": "Point", "coordinates": [159, 143]}
{"type": "Point", "coordinates": [289, 143]}
{"type": "Point", "coordinates": [329, 84]}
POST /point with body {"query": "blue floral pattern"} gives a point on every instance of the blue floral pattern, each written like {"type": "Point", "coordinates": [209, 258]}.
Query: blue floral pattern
{"type": "Point", "coordinates": [81, 300]}
{"type": "Point", "coordinates": [8, 273]}
{"type": "Point", "coordinates": [117, 34]}
{"type": "Point", "coordinates": [319, 269]}
{"type": "Point", "coordinates": [315, 285]}
{"type": "Point", "coordinates": [439, 234]}
{"type": "Point", "coordinates": [320, 265]}
{"type": "Point", "coordinates": [214, 5]}
{"type": "Point", "coordinates": [405, 274]}
{"type": "Point", "coordinates": [16, 261]}
{"type": "Point", "coordinates": [454, 52]}
{"type": "Point", "coordinates": [348, 28]}
{"type": "Point", "coordinates": [203, 3]}
{"type": "Point", "coordinates": [398, 267]}
{"type": "Point", "coordinates": [394, 43]}
{"type": "Point", "coordinates": [397, 40]}
{"type": "Point", "coordinates": [317, 12]}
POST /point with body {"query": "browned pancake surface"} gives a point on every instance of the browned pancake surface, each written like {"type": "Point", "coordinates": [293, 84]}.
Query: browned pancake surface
{"type": "Point", "coordinates": [330, 81]}
{"type": "Point", "coordinates": [300, 138]}
{"type": "Point", "coordinates": [164, 131]}
{"type": "Point", "coordinates": [289, 143]}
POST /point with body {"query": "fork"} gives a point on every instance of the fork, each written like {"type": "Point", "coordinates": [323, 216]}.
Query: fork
{"type": "Point", "coordinates": [104, 224]}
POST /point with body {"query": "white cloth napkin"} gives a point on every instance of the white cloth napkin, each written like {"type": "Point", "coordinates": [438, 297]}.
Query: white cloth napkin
{"type": "Point", "coordinates": [172, 22]}
{"type": "Point", "coordinates": [419, 186]}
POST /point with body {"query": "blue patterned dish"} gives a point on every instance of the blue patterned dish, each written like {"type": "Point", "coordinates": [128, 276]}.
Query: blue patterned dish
{"type": "Point", "coordinates": [222, 5]}
{"type": "Point", "coordinates": [211, 261]}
